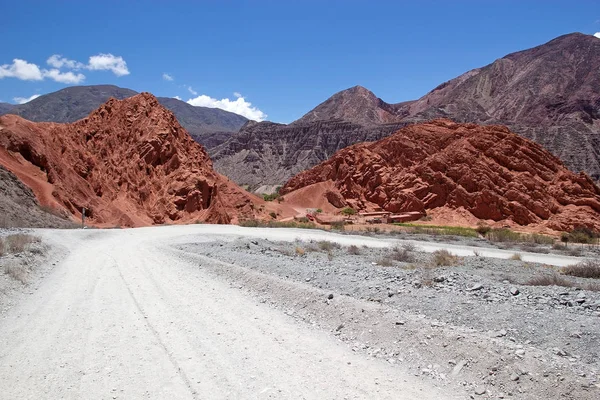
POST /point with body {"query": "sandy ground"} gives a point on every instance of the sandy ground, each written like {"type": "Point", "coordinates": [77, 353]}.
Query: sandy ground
{"type": "Point", "coordinates": [123, 316]}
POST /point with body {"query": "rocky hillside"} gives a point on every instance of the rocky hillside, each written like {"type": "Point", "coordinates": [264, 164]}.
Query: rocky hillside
{"type": "Point", "coordinates": [20, 208]}
{"type": "Point", "coordinates": [129, 163]}
{"type": "Point", "coordinates": [266, 153]}
{"type": "Point", "coordinates": [550, 94]}
{"type": "Point", "coordinates": [489, 172]}
{"type": "Point", "coordinates": [208, 126]}
{"type": "Point", "coordinates": [5, 108]}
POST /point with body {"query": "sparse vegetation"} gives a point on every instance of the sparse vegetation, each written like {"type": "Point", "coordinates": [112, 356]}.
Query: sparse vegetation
{"type": "Point", "coordinates": [318, 211]}
{"type": "Point", "coordinates": [443, 258]}
{"type": "Point", "coordinates": [549, 280]}
{"type": "Point", "coordinates": [438, 229]}
{"type": "Point", "coordinates": [348, 211]}
{"type": "Point", "coordinates": [326, 245]}
{"type": "Point", "coordinates": [300, 251]}
{"type": "Point", "coordinates": [483, 229]}
{"type": "Point", "coordinates": [16, 243]}
{"type": "Point", "coordinates": [354, 250]}
{"type": "Point", "coordinates": [271, 197]}
{"type": "Point", "coordinates": [338, 225]}
{"type": "Point", "coordinates": [516, 257]}
{"type": "Point", "coordinates": [385, 262]}
{"type": "Point", "coordinates": [504, 235]}
{"type": "Point", "coordinates": [581, 235]}
{"type": "Point", "coordinates": [585, 269]}
{"type": "Point", "coordinates": [404, 254]}
{"type": "Point", "coordinates": [17, 272]}
{"type": "Point", "coordinates": [255, 223]}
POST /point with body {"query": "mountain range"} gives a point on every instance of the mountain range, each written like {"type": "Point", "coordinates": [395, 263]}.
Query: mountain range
{"type": "Point", "coordinates": [550, 94]}
{"type": "Point", "coordinates": [208, 126]}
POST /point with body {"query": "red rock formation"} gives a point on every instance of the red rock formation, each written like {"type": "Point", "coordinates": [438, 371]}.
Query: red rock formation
{"type": "Point", "coordinates": [488, 171]}
{"type": "Point", "coordinates": [129, 163]}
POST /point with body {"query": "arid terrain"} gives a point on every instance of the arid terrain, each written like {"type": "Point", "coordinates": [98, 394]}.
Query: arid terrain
{"type": "Point", "coordinates": [156, 312]}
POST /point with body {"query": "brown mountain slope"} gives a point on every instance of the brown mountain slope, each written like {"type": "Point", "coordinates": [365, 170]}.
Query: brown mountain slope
{"type": "Point", "coordinates": [550, 94]}
{"type": "Point", "coordinates": [358, 105]}
{"type": "Point", "coordinates": [129, 163]}
{"type": "Point", "coordinates": [489, 172]}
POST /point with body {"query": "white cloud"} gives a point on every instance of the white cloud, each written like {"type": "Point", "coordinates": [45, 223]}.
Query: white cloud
{"type": "Point", "coordinates": [597, 34]}
{"type": "Point", "coordinates": [22, 70]}
{"type": "Point", "coordinates": [58, 61]}
{"type": "Point", "coordinates": [192, 91]}
{"type": "Point", "coordinates": [239, 106]}
{"type": "Point", "coordinates": [167, 77]}
{"type": "Point", "coordinates": [63, 77]}
{"type": "Point", "coordinates": [237, 95]}
{"type": "Point", "coordinates": [177, 97]}
{"type": "Point", "coordinates": [108, 62]}
{"type": "Point", "coordinates": [23, 100]}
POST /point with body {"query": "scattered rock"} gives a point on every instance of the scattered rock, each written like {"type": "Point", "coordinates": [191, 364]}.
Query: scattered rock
{"type": "Point", "coordinates": [514, 291]}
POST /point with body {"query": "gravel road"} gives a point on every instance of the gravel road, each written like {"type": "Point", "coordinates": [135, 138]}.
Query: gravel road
{"type": "Point", "coordinates": [125, 315]}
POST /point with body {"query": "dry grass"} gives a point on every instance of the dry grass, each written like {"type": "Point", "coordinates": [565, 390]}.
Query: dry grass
{"type": "Point", "coordinates": [354, 250]}
{"type": "Point", "coordinates": [326, 245]}
{"type": "Point", "coordinates": [443, 258]}
{"type": "Point", "coordinates": [516, 257]}
{"type": "Point", "coordinates": [404, 254]}
{"type": "Point", "coordinates": [385, 262]}
{"type": "Point", "coordinates": [585, 269]}
{"type": "Point", "coordinates": [558, 280]}
{"type": "Point", "coordinates": [17, 272]}
{"type": "Point", "coordinates": [16, 243]}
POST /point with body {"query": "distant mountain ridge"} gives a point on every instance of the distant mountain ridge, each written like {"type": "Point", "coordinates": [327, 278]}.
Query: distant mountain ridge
{"type": "Point", "coordinates": [205, 125]}
{"type": "Point", "coordinates": [550, 94]}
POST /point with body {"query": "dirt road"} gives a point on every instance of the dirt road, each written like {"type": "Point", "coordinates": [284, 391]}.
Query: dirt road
{"type": "Point", "coordinates": [121, 317]}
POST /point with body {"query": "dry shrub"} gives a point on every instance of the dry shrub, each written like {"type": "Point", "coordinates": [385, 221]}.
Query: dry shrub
{"type": "Point", "coordinates": [330, 256]}
{"type": "Point", "coordinates": [550, 280]}
{"type": "Point", "coordinates": [442, 258]}
{"type": "Point", "coordinates": [575, 252]}
{"type": "Point", "coordinates": [311, 248]}
{"type": "Point", "coordinates": [18, 243]}
{"type": "Point", "coordinates": [17, 272]}
{"type": "Point", "coordinates": [385, 262]}
{"type": "Point", "coordinates": [300, 251]}
{"type": "Point", "coordinates": [585, 269]}
{"type": "Point", "coordinates": [404, 254]}
{"type": "Point", "coordinates": [354, 250]}
{"type": "Point", "coordinates": [516, 257]}
{"type": "Point", "coordinates": [326, 245]}
{"type": "Point", "coordinates": [2, 247]}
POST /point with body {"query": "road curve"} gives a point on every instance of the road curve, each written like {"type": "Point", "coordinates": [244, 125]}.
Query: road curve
{"type": "Point", "coordinates": [122, 317]}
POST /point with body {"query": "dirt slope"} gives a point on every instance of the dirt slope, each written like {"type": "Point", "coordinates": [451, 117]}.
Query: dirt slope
{"type": "Point", "coordinates": [488, 171]}
{"type": "Point", "coordinates": [20, 208]}
{"type": "Point", "coordinates": [129, 163]}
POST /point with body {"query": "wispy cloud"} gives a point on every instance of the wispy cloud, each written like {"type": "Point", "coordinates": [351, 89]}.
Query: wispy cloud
{"type": "Point", "coordinates": [23, 100]}
{"type": "Point", "coordinates": [239, 106]}
{"type": "Point", "coordinates": [192, 91]}
{"type": "Point", "coordinates": [58, 61]}
{"type": "Point", "coordinates": [167, 77]}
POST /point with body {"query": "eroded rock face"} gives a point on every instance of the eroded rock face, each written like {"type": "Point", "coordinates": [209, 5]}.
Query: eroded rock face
{"type": "Point", "coordinates": [129, 163]}
{"type": "Point", "coordinates": [489, 171]}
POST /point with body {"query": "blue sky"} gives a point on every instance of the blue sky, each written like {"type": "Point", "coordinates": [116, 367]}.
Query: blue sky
{"type": "Point", "coordinates": [284, 57]}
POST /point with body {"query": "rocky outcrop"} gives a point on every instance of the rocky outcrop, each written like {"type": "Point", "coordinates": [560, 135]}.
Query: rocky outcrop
{"type": "Point", "coordinates": [128, 163]}
{"type": "Point", "coordinates": [488, 171]}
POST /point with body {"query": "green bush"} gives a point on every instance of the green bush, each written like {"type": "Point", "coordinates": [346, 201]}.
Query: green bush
{"type": "Point", "coordinates": [348, 211]}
